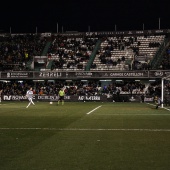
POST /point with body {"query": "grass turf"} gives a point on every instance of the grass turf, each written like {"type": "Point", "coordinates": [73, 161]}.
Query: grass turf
{"type": "Point", "coordinates": [115, 136]}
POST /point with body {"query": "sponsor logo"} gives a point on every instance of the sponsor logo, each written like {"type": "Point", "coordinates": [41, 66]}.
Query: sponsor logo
{"type": "Point", "coordinates": [44, 97]}
{"type": "Point", "coordinates": [159, 31]}
{"type": "Point", "coordinates": [158, 73]}
{"type": "Point", "coordinates": [139, 32]}
{"type": "Point", "coordinates": [90, 98]}
{"type": "Point", "coordinates": [7, 97]}
{"type": "Point", "coordinates": [148, 99]}
{"type": "Point", "coordinates": [15, 97]}
{"type": "Point", "coordinates": [83, 74]}
{"type": "Point", "coordinates": [132, 99]}
{"type": "Point", "coordinates": [17, 74]}
{"type": "Point", "coordinates": [130, 32]}
{"type": "Point", "coordinates": [122, 74]}
{"type": "Point", "coordinates": [50, 74]}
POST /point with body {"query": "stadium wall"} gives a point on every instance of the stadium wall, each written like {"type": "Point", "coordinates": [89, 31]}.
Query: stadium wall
{"type": "Point", "coordinates": [78, 98]}
{"type": "Point", "coordinates": [83, 74]}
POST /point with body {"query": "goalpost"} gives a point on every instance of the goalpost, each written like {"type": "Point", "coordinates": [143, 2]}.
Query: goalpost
{"type": "Point", "coordinates": [162, 92]}
{"type": "Point", "coordinates": [162, 88]}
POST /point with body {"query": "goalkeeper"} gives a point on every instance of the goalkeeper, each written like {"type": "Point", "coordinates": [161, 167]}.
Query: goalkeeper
{"type": "Point", "coordinates": [158, 102]}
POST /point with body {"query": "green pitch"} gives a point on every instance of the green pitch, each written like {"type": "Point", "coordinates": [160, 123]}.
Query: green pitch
{"type": "Point", "coordinates": [84, 136]}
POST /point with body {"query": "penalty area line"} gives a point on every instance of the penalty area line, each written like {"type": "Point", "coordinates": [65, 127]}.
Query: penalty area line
{"type": "Point", "coordinates": [161, 107]}
{"type": "Point", "coordinates": [77, 129]}
{"type": "Point", "coordinates": [93, 110]}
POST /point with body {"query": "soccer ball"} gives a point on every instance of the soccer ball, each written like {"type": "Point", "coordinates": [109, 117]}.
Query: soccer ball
{"type": "Point", "coordinates": [51, 102]}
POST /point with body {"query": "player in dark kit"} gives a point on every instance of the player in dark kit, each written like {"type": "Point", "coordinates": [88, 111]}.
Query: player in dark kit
{"type": "Point", "coordinates": [158, 102]}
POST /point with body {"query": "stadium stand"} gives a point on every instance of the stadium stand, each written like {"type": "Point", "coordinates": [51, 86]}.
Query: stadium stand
{"type": "Point", "coordinates": [84, 52]}
{"type": "Point", "coordinates": [17, 51]}
{"type": "Point", "coordinates": [81, 52]}
{"type": "Point", "coordinates": [120, 53]}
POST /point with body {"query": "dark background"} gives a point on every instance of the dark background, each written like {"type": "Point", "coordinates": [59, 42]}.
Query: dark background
{"type": "Point", "coordinates": [77, 15]}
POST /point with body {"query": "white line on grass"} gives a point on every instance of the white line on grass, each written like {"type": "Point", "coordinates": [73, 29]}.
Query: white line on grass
{"type": "Point", "coordinates": [76, 129]}
{"type": "Point", "coordinates": [128, 114]}
{"type": "Point", "coordinates": [166, 109]}
{"type": "Point", "coordinates": [93, 110]}
{"type": "Point", "coordinates": [161, 107]}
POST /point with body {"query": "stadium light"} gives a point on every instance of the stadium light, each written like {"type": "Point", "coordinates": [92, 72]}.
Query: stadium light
{"type": "Point", "coordinates": [38, 80]}
{"type": "Point", "coordinates": [105, 80]}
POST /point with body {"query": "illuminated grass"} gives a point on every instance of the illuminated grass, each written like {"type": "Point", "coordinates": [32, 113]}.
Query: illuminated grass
{"type": "Point", "coordinates": [116, 136]}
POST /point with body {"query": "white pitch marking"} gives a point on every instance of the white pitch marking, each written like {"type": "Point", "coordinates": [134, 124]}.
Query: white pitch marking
{"type": "Point", "coordinates": [76, 129]}
{"type": "Point", "coordinates": [161, 107]}
{"type": "Point", "coordinates": [166, 108]}
{"type": "Point", "coordinates": [93, 110]}
{"type": "Point", "coordinates": [121, 114]}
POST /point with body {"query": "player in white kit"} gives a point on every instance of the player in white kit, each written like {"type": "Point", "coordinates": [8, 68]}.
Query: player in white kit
{"type": "Point", "coordinates": [29, 95]}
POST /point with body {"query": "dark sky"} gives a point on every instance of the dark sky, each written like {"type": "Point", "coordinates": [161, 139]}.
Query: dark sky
{"type": "Point", "coordinates": [80, 15]}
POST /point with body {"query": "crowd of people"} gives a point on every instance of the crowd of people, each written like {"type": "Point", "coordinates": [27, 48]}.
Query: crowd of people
{"type": "Point", "coordinates": [17, 50]}
{"type": "Point", "coordinates": [69, 52]}
{"type": "Point", "coordinates": [78, 87]}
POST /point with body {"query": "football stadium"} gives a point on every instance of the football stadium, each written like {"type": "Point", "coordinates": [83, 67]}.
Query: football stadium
{"type": "Point", "coordinates": [107, 119]}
